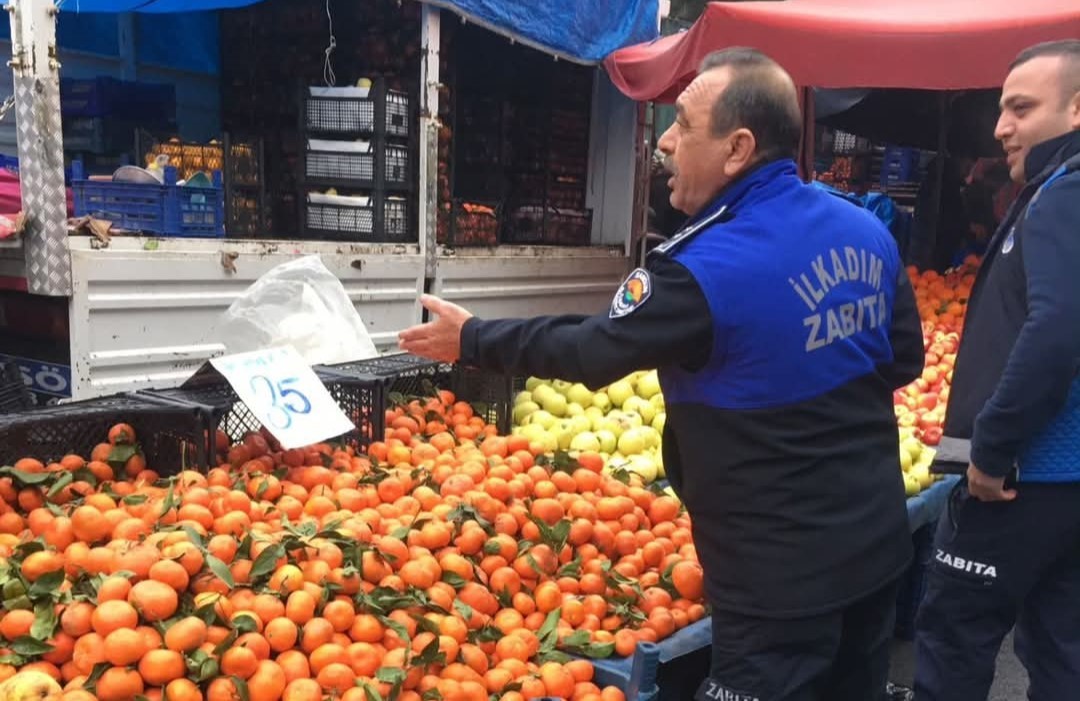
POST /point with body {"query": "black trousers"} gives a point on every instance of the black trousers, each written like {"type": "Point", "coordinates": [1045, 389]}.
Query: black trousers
{"type": "Point", "coordinates": [999, 565]}
{"type": "Point", "coordinates": [838, 656]}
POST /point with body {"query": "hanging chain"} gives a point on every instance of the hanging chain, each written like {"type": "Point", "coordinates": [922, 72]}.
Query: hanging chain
{"type": "Point", "coordinates": [6, 106]}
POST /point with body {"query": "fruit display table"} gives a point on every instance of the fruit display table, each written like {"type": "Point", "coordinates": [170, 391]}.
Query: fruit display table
{"type": "Point", "coordinates": [923, 510]}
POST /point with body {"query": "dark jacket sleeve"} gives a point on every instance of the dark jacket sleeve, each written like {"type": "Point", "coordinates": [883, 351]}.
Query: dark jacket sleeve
{"type": "Point", "coordinates": [672, 326]}
{"type": "Point", "coordinates": [1044, 359]}
{"type": "Point", "coordinates": [905, 335]}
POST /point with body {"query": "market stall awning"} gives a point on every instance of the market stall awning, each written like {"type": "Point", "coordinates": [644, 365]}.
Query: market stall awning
{"type": "Point", "coordinates": [584, 31]}
{"type": "Point", "coordinates": [954, 45]}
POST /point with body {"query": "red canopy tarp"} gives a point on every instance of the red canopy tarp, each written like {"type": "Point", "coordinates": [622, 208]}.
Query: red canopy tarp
{"type": "Point", "coordinates": [929, 44]}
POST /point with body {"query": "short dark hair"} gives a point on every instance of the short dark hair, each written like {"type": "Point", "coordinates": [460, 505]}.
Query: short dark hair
{"type": "Point", "coordinates": [1067, 49]}
{"type": "Point", "coordinates": [760, 98]}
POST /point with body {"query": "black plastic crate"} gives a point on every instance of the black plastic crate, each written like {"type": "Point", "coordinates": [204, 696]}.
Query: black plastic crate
{"type": "Point", "coordinates": [347, 111]}
{"type": "Point", "coordinates": [380, 220]}
{"type": "Point", "coordinates": [220, 408]}
{"type": "Point", "coordinates": [343, 163]}
{"type": "Point", "coordinates": [244, 216]}
{"type": "Point", "coordinates": [171, 434]}
{"type": "Point", "coordinates": [244, 162]}
{"type": "Point", "coordinates": [492, 396]}
{"type": "Point", "coordinates": [405, 376]}
{"type": "Point", "coordinates": [15, 396]}
{"type": "Point", "coordinates": [569, 228]}
{"type": "Point", "coordinates": [473, 224]}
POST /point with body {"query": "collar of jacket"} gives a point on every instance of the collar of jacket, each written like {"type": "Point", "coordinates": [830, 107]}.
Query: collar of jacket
{"type": "Point", "coordinates": [755, 178]}
{"type": "Point", "coordinates": [1050, 154]}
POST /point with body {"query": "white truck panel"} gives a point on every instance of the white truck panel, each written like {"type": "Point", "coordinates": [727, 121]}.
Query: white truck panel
{"type": "Point", "coordinates": [12, 259]}
{"type": "Point", "coordinates": [530, 281]}
{"type": "Point", "coordinates": [142, 318]}
{"type": "Point", "coordinates": [612, 164]}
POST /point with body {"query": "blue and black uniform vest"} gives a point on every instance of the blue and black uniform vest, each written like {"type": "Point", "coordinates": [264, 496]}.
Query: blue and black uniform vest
{"type": "Point", "coordinates": [784, 445]}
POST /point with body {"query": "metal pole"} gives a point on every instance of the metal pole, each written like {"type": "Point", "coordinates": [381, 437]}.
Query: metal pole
{"type": "Point", "coordinates": [429, 137]}
{"type": "Point", "coordinates": [36, 75]}
{"type": "Point", "coordinates": [939, 173]}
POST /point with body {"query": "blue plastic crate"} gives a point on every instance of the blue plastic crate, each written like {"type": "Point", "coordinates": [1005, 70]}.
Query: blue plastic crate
{"type": "Point", "coordinates": [165, 210]}
{"type": "Point", "coordinates": [110, 97]}
{"type": "Point", "coordinates": [899, 164]}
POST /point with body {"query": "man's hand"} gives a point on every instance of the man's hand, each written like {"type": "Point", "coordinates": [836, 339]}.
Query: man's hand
{"type": "Point", "coordinates": [986, 488]}
{"type": "Point", "coordinates": [439, 339]}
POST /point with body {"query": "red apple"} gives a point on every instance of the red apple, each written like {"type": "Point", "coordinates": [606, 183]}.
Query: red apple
{"type": "Point", "coordinates": [932, 435]}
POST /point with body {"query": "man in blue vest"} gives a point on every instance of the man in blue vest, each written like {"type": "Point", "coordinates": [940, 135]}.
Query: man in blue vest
{"type": "Point", "coordinates": [1009, 551]}
{"type": "Point", "coordinates": [781, 321]}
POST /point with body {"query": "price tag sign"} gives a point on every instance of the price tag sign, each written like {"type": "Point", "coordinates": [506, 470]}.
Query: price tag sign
{"type": "Point", "coordinates": [285, 395]}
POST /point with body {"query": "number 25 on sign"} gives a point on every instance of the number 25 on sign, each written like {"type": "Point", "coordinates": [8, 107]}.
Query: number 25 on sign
{"type": "Point", "coordinates": [285, 395]}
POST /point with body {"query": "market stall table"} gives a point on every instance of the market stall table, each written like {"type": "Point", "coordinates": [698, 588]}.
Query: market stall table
{"type": "Point", "coordinates": [923, 510]}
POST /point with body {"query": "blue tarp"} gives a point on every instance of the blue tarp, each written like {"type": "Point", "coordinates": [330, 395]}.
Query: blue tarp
{"type": "Point", "coordinates": [156, 39]}
{"type": "Point", "coordinates": [114, 6]}
{"type": "Point", "coordinates": [585, 31]}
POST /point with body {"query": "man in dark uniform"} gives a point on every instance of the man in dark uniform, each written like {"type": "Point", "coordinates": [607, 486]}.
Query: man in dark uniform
{"type": "Point", "coordinates": [781, 321]}
{"type": "Point", "coordinates": [1009, 551]}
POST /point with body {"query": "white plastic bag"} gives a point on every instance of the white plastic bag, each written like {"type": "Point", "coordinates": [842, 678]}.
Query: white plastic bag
{"type": "Point", "coordinates": [300, 303]}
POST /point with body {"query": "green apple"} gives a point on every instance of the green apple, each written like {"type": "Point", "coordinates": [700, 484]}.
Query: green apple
{"type": "Point", "coordinates": [562, 386]}
{"type": "Point", "coordinates": [544, 418]}
{"type": "Point", "coordinates": [532, 431]}
{"type": "Point", "coordinates": [641, 407]}
{"type": "Point", "coordinates": [659, 421]}
{"type": "Point", "coordinates": [585, 441]}
{"type": "Point", "coordinates": [649, 385]}
{"type": "Point", "coordinates": [602, 401]}
{"type": "Point", "coordinates": [575, 409]}
{"type": "Point", "coordinates": [913, 446]}
{"type": "Point", "coordinates": [594, 411]}
{"type": "Point", "coordinates": [644, 466]}
{"type": "Point", "coordinates": [905, 460]}
{"type": "Point", "coordinates": [661, 473]}
{"type": "Point", "coordinates": [564, 433]}
{"type": "Point", "coordinates": [608, 441]}
{"type": "Point", "coordinates": [610, 425]}
{"type": "Point", "coordinates": [632, 442]}
{"type": "Point", "coordinates": [580, 424]}
{"type": "Point", "coordinates": [619, 392]}
{"type": "Point", "coordinates": [658, 403]}
{"type": "Point", "coordinates": [549, 442]}
{"type": "Point", "coordinates": [542, 392]}
{"type": "Point", "coordinates": [911, 486]}
{"type": "Point", "coordinates": [523, 397]}
{"type": "Point", "coordinates": [580, 394]}
{"type": "Point", "coordinates": [534, 382]}
{"type": "Point", "coordinates": [555, 404]}
{"type": "Point", "coordinates": [628, 419]}
{"type": "Point", "coordinates": [523, 410]}
{"type": "Point", "coordinates": [652, 436]}
{"type": "Point", "coordinates": [922, 474]}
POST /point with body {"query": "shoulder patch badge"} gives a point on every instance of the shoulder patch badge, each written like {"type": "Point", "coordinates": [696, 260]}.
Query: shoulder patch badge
{"type": "Point", "coordinates": [633, 293]}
